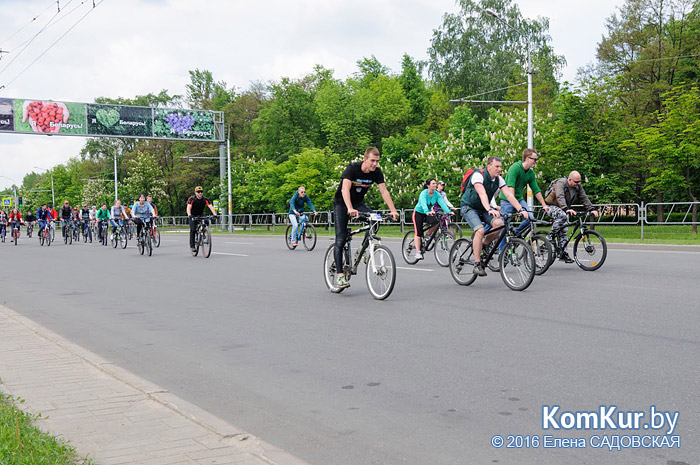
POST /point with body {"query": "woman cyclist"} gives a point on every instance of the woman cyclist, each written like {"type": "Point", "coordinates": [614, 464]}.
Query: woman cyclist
{"type": "Point", "coordinates": [423, 212]}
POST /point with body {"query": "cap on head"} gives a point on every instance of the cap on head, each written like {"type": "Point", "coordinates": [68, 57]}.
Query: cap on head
{"type": "Point", "coordinates": [198, 189]}
{"type": "Point", "coordinates": [442, 183]}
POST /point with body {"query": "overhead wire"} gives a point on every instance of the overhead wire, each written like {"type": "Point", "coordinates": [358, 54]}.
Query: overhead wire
{"type": "Point", "coordinates": [27, 24]}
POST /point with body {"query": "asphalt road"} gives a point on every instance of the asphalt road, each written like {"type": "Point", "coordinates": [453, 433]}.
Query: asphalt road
{"type": "Point", "coordinates": [428, 376]}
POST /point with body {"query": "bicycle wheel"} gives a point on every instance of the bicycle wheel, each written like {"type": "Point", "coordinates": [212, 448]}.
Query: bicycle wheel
{"type": "Point", "coordinates": [309, 237]}
{"type": "Point", "coordinates": [65, 235]}
{"type": "Point", "coordinates": [15, 235]}
{"type": "Point", "coordinates": [443, 246]}
{"type": "Point", "coordinates": [590, 250]}
{"type": "Point", "coordinates": [456, 230]}
{"type": "Point", "coordinates": [123, 239]}
{"type": "Point", "coordinates": [543, 250]}
{"type": "Point", "coordinates": [69, 235]}
{"type": "Point", "coordinates": [408, 248]}
{"type": "Point", "coordinates": [147, 242]}
{"type": "Point", "coordinates": [205, 239]}
{"type": "Point", "coordinates": [380, 272]}
{"type": "Point", "coordinates": [139, 245]}
{"type": "Point", "coordinates": [156, 237]}
{"type": "Point", "coordinates": [517, 264]}
{"type": "Point", "coordinates": [288, 238]}
{"type": "Point", "coordinates": [462, 262]}
{"type": "Point", "coordinates": [329, 270]}
{"type": "Point", "coordinates": [49, 239]}
{"type": "Point", "coordinates": [42, 238]}
{"type": "Point", "coordinates": [53, 234]}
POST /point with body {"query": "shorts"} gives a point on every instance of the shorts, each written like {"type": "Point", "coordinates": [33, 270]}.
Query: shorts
{"type": "Point", "coordinates": [476, 218]}
{"type": "Point", "coordinates": [419, 219]}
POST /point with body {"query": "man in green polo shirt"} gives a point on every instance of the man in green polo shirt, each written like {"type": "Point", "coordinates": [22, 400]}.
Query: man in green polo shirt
{"type": "Point", "coordinates": [520, 175]}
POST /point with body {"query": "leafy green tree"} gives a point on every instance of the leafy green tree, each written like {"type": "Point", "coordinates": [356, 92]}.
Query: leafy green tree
{"type": "Point", "coordinates": [145, 177]}
{"type": "Point", "coordinates": [203, 93]}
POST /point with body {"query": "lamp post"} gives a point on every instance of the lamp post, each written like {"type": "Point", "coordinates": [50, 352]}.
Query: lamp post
{"type": "Point", "coordinates": [14, 188]}
{"type": "Point", "coordinates": [53, 198]}
{"type": "Point", "coordinates": [228, 151]}
{"type": "Point", "coordinates": [529, 75]}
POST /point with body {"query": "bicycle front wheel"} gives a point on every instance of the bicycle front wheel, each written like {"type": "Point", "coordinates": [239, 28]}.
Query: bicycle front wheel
{"type": "Point", "coordinates": [205, 239]}
{"type": "Point", "coordinates": [329, 270]}
{"type": "Point", "coordinates": [139, 246]}
{"type": "Point", "coordinates": [288, 238]}
{"type": "Point", "coordinates": [456, 230]}
{"type": "Point", "coordinates": [462, 262]}
{"type": "Point", "coordinates": [517, 264]}
{"type": "Point", "coordinates": [544, 252]}
{"type": "Point", "coordinates": [41, 239]}
{"type": "Point", "coordinates": [590, 250]}
{"type": "Point", "coordinates": [148, 244]}
{"type": "Point", "coordinates": [123, 240]}
{"type": "Point", "coordinates": [309, 237]}
{"type": "Point", "coordinates": [408, 248]}
{"type": "Point", "coordinates": [381, 272]}
{"type": "Point", "coordinates": [156, 237]}
{"type": "Point", "coordinates": [445, 241]}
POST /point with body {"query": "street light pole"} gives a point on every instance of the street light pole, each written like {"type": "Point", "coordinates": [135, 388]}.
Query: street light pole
{"type": "Point", "coordinates": [14, 188]}
{"type": "Point", "coordinates": [530, 143]}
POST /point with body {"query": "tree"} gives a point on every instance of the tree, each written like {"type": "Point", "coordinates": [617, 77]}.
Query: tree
{"type": "Point", "coordinates": [145, 177]}
{"type": "Point", "coordinates": [205, 94]}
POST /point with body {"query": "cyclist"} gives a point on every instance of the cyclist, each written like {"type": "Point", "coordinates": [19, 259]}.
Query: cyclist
{"type": "Point", "coordinates": [101, 217]}
{"type": "Point", "coordinates": [30, 219]}
{"type": "Point", "coordinates": [195, 208]}
{"type": "Point", "coordinates": [441, 191]}
{"type": "Point", "coordinates": [476, 206]}
{"type": "Point", "coordinates": [116, 216]}
{"type": "Point", "coordinates": [3, 224]}
{"type": "Point", "coordinates": [52, 212]}
{"type": "Point", "coordinates": [140, 212]}
{"type": "Point", "coordinates": [296, 210]}
{"type": "Point", "coordinates": [85, 216]}
{"type": "Point", "coordinates": [149, 199]}
{"type": "Point", "coordinates": [43, 217]}
{"type": "Point", "coordinates": [66, 212]}
{"type": "Point", "coordinates": [348, 201]}
{"type": "Point", "coordinates": [423, 212]}
{"type": "Point", "coordinates": [560, 197]}
{"type": "Point", "coordinates": [15, 219]}
{"type": "Point", "coordinates": [520, 175]}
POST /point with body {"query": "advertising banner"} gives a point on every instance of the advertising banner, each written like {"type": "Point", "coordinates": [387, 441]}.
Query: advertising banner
{"type": "Point", "coordinates": [7, 122]}
{"type": "Point", "coordinates": [46, 117]}
{"type": "Point", "coordinates": [119, 120]}
{"type": "Point", "coordinates": [183, 124]}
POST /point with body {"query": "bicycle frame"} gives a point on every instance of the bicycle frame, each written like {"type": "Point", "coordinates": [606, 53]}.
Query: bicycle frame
{"type": "Point", "coordinates": [579, 229]}
{"type": "Point", "coordinates": [370, 236]}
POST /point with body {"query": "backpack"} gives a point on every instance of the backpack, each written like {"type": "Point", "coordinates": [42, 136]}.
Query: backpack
{"type": "Point", "coordinates": [467, 176]}
{"type": "Point", "coordinates": [551, 191]}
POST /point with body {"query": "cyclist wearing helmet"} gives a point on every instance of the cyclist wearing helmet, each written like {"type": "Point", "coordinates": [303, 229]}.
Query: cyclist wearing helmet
{"type": "Point", "coordinates": [195, 208]}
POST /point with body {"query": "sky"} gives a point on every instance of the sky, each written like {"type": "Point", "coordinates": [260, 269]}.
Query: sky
{"type": "Point", "coordinates": [124, 48]}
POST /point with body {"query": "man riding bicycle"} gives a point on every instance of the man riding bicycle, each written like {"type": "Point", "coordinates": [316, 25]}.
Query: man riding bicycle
{"type": "Point", "coordinates": [563, 193]}
{"type": "Point", "coordinates": [102, 216]}
{"type": "Point", "coordinates": [296, 210]}
{"type": "Point", "coordinates": [424, 212]}
{"type": "Point", "coordinates": [65, 213]}
{"type": "Point", "coordinates": [116, 217]}
{"type": "Point", "coordinates": [195, 208]}
{"type": "Point", "coordinates": [85, 221]}
{"type": "Point", "coordinates": [348, 201]}
{"type": "Point", "coordinates": [140, 211]}
{"type": "Point", "coordinates": [476, 206]}
{"type": "Point", "coordinates": [43, 216]}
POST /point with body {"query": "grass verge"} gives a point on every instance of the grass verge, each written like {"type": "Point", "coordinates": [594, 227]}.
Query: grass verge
{"type": "Point", "coordinates": [22, 443]}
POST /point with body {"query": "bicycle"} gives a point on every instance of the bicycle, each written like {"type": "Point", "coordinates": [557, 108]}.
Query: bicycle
{"type": "Point", "coordinates": [380, 273]}
{"type": "Point", "coordinates": [102, 231]}
{"type": "Point", "coordinates": [440, 240]}
{"type": "Point", "coordinates": [129, 228]}
{"type": "Point", "coordinates": [67, 231]}
{"type": "Point", "coordinates": [306, 232]}
{"type": "Point", "coordinates": [93, 229]}
{"type": "Point", "coordinates": [516, 262]}
{"type": "Point", "coordinates": [590, 248]}
{"type": "Point", "coordinates": [30, 229]}
{"type": "Point", "coordinates": [155, 232]}
{"type": "Point", "coordinates": [15, 232]}
{"type": "Point", "coordinates": [143, 240]}
{"type": "Point", "coordinates": [85, 231]}
{"type": "Point", "coordinates": [541, 246]}
{"type": "Point", "coordinates": [3, 231]}
{"type": "Point", "coordinates": [45, 235]}
{"type": "Point", "coordinates": [202, 236]}
{"type": "Point", "coordinates": [119, 236]}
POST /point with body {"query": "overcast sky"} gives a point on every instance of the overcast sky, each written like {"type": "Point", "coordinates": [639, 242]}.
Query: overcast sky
{"type": "Point", "coordinates": [124, 48]}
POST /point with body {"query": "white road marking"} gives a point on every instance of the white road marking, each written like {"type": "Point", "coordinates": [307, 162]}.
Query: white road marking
{"type": "Point", "coordinates": [413, 269]}
{"type": "Point", "coordinates": [240, 243]}
{"type": "Point", "coordinates": [233, 254]}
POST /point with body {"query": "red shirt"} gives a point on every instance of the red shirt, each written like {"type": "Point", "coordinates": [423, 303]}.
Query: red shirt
{"type": "Point", "coordinates": [17, 217]}
{"type": "Point", "coordinates": [53, 212]}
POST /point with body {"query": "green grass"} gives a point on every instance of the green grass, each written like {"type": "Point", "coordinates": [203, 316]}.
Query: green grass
{"type": "Point", "coordinates": [22, 443]}
{"type": "Point", "coordinates": [657, 234]}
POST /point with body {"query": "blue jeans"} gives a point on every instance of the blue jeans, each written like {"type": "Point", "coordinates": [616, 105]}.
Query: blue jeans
{"type": "Point", "coordinates": [507, 209]}
{"type": "Point", "coordinates": [295, 224]}
{"type": "Point", "coordinates": [115, 223]}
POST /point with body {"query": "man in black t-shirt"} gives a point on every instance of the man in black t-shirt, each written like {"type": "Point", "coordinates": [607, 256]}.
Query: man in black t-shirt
{"type": "Point", "coordinates": [356, 179]}
{"type": "Point", "coordinates": [195, 208]}
{"type": "Point", "coordinates": [65, 213]}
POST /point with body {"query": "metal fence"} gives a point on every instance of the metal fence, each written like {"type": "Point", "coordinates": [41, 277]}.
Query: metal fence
{"type": "Point", "coordinates": [631, 214]}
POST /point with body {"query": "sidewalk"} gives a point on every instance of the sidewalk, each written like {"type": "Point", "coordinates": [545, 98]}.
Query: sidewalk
{"type": "Point", "coordinates": [110, 414]}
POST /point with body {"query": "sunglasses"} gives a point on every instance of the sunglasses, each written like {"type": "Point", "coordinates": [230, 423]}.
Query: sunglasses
{"type": "Point", "coordinates": [577, 182]}
{"type": "Point", "coordinates": [533, 159]}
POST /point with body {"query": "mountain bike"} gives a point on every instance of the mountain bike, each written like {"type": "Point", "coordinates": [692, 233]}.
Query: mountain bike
{"type": "Point", "coordinates": [30, 228]}
{"type": "Point", "coordinates": [143, 240]}
{"type": "Point", "coordinates": [590, 248]}
{"type": "Point", "coordinates": [120, 236]}
{"type": "Point", "coordinates": [85, 231]}
{"type": "Point", "coordinates": [516, 261]}
{"type": "Point", "coordinates": [541, 246]}
{"type": "Point", "coordinates": [381, 266]}
{"type": "Point", "coordinates": [440, 240]}
{"type": "Point", "coordinates": [15, 232]}
{"type": "Point", "coordinates": [67, 231]}
{"type": "Point", "coordinates": [45, 236]}
{"type": "Point", "coordinates": [102, 231]}
{"type": "Point", "coordinates": [306, 232]}
{"type": "Point", "coordinates": [154, 232]}
{"type": "Point", "coordinates": [202, 236]}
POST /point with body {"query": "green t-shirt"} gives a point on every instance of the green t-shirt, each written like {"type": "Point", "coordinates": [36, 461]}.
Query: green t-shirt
{"type": "Point", "coordinates": [518, 179]}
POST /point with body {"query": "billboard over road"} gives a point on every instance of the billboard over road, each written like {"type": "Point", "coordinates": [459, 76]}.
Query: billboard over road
{"type": "Point", "coordinates": [99, 120]}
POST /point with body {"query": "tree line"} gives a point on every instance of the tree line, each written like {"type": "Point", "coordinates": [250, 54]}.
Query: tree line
{"type": "Point", "coordinates": [630, 124]}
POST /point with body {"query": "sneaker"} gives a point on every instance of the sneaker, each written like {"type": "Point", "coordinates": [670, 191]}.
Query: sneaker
{"type": "Point", "coordinates": [193, 250]}
{"type": "Point", "coordinates": [479, 269]}
{"type": "Point", "coordinates": [565, 258]}
{"type": "Point", "coordinates": [341, 282]}
{"type": "Point", "coordinates": [294, 244]}
{"type": "Point", "coordinates": [419, 256]}
{"type": "Point", "coordinates": [111, 237]}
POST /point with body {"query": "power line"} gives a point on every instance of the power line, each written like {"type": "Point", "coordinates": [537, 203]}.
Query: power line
{"type": "Point", "coordinates": [57, 40]}
{"type": "Point", "coordinates": [27, 24]}
{"type": "Point", "coordinates": [59, 19]}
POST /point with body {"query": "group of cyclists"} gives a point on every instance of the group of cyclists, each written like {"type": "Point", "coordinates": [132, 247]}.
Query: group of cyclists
{"type": "Point", "coordinates": [481, 190]}
{"type": "Point", "coordinates": [86, 220]}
